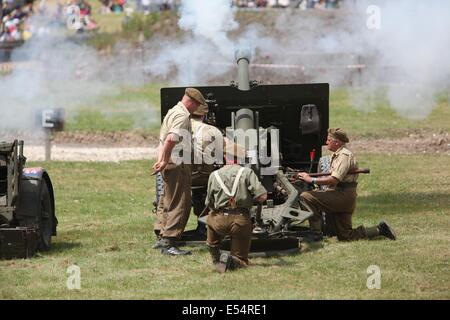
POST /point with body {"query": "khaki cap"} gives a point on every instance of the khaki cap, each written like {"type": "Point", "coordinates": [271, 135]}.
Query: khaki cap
{"type": "Point", "coordinates": [201, 110]}
{"type": "Point", "coordinates": [196, 95]}
{"type": "Point", "coordinates": [339, 134]}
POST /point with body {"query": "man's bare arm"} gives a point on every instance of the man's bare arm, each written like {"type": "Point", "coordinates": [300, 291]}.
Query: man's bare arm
{"type": "Point", "coordinates": [165, 152]}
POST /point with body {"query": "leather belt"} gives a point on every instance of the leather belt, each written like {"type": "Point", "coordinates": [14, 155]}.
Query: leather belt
{"type": "Point", "coordinates": [346, 185]}
{"type": "Point", "coordinates": [231, 211]}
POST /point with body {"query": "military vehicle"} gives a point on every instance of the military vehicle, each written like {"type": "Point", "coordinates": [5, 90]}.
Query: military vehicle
{"type": "Point", "coordinates": [27, 205]}
{"type": "Point", "coordinates": [290, 124]}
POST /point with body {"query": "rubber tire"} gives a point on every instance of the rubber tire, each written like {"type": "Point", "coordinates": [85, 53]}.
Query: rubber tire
{"type": "Point", "coordinates": [45, 218]}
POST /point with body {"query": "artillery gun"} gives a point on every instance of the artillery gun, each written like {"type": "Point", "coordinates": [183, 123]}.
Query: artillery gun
{"type": "Point", "coordinates": [27, 205]}
{"type": "Point", "coordinates": [282, 128]}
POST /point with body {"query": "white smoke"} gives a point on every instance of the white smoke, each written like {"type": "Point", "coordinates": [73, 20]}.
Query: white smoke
{"type": "Point", "coordinates": [407, 55]}
{"type": "Point", "coordinates": [403, 44]}
{"type": "Point", "coordinates": [53, 70]}
{"type": "Point", "coordinates": [212, 20]}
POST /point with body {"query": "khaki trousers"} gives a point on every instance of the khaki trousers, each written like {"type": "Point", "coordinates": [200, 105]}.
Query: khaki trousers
{"type": "Point", "coordinates": [339, 205]}
{"type": "Point", "coordinates": [237, 226]}
{"type": "Point", "coordinates": [159, 219]}
{"type": "Point", "coordinates": [176, 200]}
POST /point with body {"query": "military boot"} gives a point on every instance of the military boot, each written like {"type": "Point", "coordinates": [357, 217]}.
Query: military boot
{"type": "Point", "coordinates": [315, 233]}
{"type": "Point", "coordinates": [372, 232]}
{"type": "Point", "coordinates": [224, 263]}
{"type": "Point", "coordinates": [160, 244]}
{"type": "Point", "coordinates": [382, 229]}
{"type": "Point", "coordinates": [171, 249]}
{"type": "Point", "coordinates": [227, 262]}
{"type": "Point", "coordinates": [215, 254]}
{"type": "Point", "coordinates": [386, 230]}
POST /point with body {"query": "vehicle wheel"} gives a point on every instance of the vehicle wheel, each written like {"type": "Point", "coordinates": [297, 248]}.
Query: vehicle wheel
{"type": "Point", "coordinates": [45, 222]}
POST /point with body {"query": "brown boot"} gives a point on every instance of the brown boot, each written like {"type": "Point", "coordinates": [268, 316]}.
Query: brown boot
{"type": "Point", "coordinates": [227, 262]}
{"type": "Point", "coordinates": [224, 263]}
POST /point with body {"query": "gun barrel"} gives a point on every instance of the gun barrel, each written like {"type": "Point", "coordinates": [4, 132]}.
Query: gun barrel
{"type": "Point", "coordinates": [321, 174]}
{"type": "Point", "coordinates": [243, 60]}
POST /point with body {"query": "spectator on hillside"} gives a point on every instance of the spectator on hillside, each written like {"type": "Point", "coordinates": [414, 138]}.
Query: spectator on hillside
{"type": "Point", "coordinates": [145, 6]}
{"type": "Point", "coordinates": [261, 3]}
{"type": "Point", "coordinates": [166, 5]}
{"type": "Point", "coordinates": [117, 6]}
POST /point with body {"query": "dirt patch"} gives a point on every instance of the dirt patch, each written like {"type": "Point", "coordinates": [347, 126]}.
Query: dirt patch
{"type": "Point", "coordinates": [418, 141]}
{"type": "Point", "coordinates": [104, 139]}
{"type": "Point", "coordinates": [121, 146]}
{"type": "Point", "coordinates": [413, 143]}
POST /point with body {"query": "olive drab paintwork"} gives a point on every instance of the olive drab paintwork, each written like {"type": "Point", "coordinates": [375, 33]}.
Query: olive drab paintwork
{"type": "Point", "coordinates": [288, 121]}
{"type": "Point", "coordinates": [27, 205]}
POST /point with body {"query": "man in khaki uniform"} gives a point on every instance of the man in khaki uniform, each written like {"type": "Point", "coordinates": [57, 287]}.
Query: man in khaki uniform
{"type": "Point", "coordinates": [175, 200]}
{"type": "Point", "coordinates": [231, 191]}
{"type": "Point", "coordinates": [207, 139]}
{"type": "Point", "coordinates": [339, 200]}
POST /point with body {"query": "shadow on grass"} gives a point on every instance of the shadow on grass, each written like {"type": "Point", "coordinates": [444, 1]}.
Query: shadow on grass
{"type": "Point", "coordinates": [410, 202]}
{"type": "Point", "coordinates": [63, 246]}
{"type": "Point", "coordinates": [280, 262]}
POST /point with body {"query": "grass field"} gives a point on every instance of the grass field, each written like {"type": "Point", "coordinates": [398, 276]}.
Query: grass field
{"type": "Point", "coordinates": [138, 108]}
{"type": "Point", "coordinates": [130, 108]}
{"type": "Point", "coordinates": [105, 227]}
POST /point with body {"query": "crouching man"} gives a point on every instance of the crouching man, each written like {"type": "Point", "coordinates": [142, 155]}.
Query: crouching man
{"type": "Point", "coordinates": [230, 195]}
{"type": "Point", "coordinates": [339, 200]}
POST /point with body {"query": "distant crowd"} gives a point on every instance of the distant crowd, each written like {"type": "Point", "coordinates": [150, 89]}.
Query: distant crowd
{"type": "Point", "coordinates": [15, 14]}
{"type": "Point", "coordinates": [14, 24]}
{"type": "Point", "coordinates": [301, 4]}
{"type": "Point", "coordinates": [148, 6]}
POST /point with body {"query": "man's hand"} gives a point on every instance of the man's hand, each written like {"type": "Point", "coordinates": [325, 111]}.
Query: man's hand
{"type": "Point", "coordinates": [304, 177]}
{"type": "Point", "coordinates": [159, 166]}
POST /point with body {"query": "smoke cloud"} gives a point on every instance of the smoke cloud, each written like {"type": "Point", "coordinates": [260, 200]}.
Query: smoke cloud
{"type": "Point", "coordinates": [402, 44]}
{"type": "Point", "coordinates": [54, 70]}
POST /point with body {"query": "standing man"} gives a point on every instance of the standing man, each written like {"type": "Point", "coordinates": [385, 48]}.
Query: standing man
{"type": "Point", "coordinates": [231, 191]}
{"type": "Point", "coordinates": [208, 146]}
{"type": "Point", "coordinates": [339, 200]}
{"type": "Point", "coordinates": [207, 141]}
{"type": "Point", "coordinates": [176, 196]}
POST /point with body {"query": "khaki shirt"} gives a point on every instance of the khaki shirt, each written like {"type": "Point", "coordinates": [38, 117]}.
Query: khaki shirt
{"type": "Point", "coordinates": [176, 121]}
{"type": "Point", "coordinates": [208, 143]}
{"type": "Point", "coordinates": [249, 187]}
{"type": "Point", "coordinates": [343, 161]}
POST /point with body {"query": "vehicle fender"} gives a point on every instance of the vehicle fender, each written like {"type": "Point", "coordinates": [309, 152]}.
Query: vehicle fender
{"type": "Point", "coordinates": [29, 187]}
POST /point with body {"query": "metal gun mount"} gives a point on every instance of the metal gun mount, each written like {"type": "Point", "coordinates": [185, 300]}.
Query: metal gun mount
{"type": "Point", "coordinates": [289, 122]}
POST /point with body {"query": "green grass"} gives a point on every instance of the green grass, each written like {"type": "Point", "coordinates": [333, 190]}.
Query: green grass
{"type": "Point", "coordinates": [138, 107]}
{"type": "Point", "coordinates": [105, 227]}
{"type": "Point", "coordinates": [130, 108]}
{"type": "Point", "coordinates": [381, 120]}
